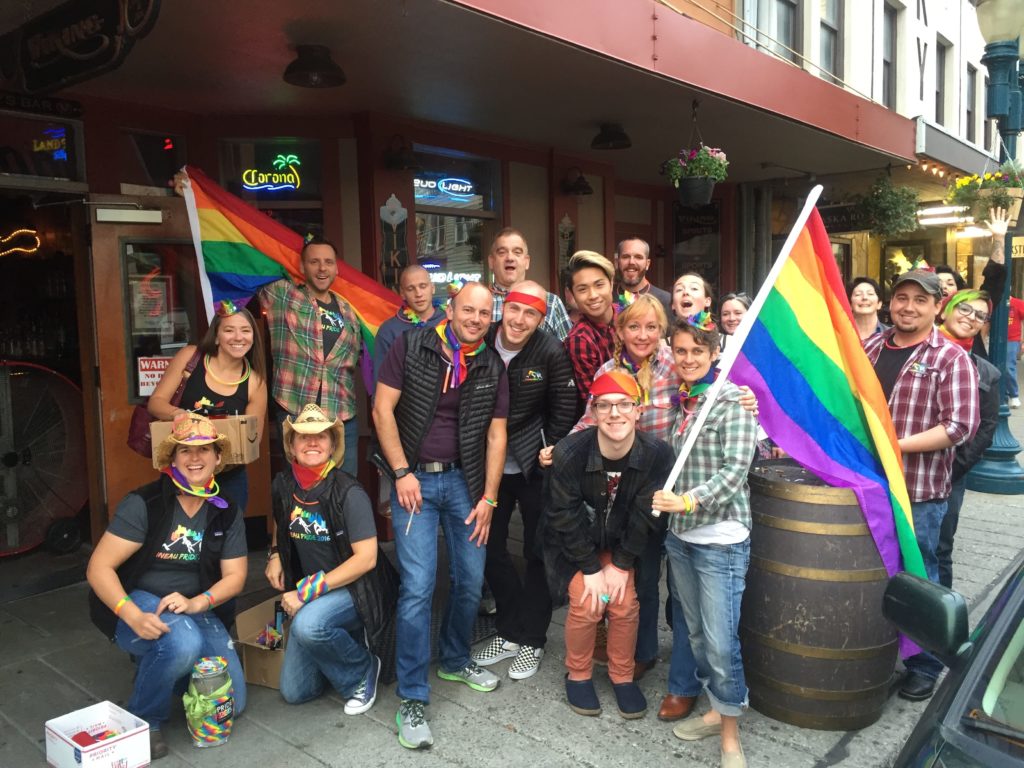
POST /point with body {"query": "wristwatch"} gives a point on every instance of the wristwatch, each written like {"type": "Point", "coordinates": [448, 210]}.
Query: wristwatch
{"type": "Point", "coordinates": [402, 472]}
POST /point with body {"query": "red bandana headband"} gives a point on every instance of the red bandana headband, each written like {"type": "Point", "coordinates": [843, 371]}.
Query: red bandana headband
{"type": "Point", "coordinates": [528, 300]}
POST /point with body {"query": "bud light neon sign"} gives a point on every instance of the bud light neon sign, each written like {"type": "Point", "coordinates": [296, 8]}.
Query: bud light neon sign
{"type": "Point", "coordinates": [459, 189]}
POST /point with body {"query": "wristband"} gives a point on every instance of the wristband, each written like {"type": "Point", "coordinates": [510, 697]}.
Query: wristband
{"type": "Point", "coordinates": [120, 604]}
{"type": "Point", "coordinates": [209, 597]}
{"type": "Point", "coordinates": [687, 503]}
{"type": "Point", "coordinates": [312, 587]}
{"type": "Point", "coordinates": [489, 502]}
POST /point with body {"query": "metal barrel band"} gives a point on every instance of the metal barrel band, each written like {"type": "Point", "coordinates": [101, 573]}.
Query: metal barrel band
{"type": "Point", "coordinates": [842, 722]}
{"type": "Point", "coordinates": [818, 529]}
{"type": "Point", "coordinates": [821, 694]}
{"type": "Point", "coordinates": [818, 652]}
{"type": "Point", "coordinates": [808, 494]}
{"type": "Point", "coordinates": [818, 574]}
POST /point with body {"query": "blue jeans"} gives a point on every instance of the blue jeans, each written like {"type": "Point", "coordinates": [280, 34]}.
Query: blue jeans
{"type": "Point", "coordinates": [1012, 350]}
{"type": "Point", "coordinates": [944, 550]}
{"type": "Point", "coordinates": [648, 574]}
{"type": "Point", "coordinates": [234, 485]}
{"type": "Point", "coordinates": [682, 670]}
{"type": "Point", "coordinates": [928, 516]}
{"type": "Point", "coordinates": [324, 647]}
{"type": "Point", "coordinates": [446, 502]}
{"type": "Point", "coordinates": [709, 581]}
{"type": "Point", "coordinates": [165, 664]}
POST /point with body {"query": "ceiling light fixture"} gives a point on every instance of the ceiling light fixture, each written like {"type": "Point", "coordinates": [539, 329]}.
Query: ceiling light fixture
{"type": "Point", "coordinates": [577, 185]}
{"type": "Point", "coordinates": [314, 68]}
{"type": "Point", "coordinates": [611, 136]}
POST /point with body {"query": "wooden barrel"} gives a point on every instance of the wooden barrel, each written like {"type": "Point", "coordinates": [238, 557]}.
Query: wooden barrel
{"type": "Point", "coordinates": [817, 652]}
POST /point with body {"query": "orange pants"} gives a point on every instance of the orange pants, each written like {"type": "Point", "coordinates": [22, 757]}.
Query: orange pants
{"type": "Point", "coordinates": [581, 629]}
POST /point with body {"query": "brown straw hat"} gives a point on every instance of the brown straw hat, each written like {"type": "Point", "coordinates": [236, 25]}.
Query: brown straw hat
{"type": "Point", "coordinates": [190, 429]}
{"type": "Point", "coordinates": [312, 421]}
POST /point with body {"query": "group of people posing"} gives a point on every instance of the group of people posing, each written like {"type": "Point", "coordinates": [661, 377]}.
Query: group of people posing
{"type": "Point", "coordinates": [491, 403]}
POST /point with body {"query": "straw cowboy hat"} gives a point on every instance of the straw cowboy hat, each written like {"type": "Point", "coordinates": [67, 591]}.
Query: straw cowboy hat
{"type": "Point", "coordinates": [312, 421]}
{"type": "Point", "coordinates": [190, 429]}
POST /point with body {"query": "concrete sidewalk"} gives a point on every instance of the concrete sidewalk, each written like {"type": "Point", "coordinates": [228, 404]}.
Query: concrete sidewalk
{"type": "Point", "coordinates": [54, 661]}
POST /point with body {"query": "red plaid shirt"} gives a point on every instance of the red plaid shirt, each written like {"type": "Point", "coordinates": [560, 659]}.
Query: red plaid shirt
{"type": "Point", "coordinates": [589, 346]}
{"type": "Point", "coordinates": [658, 413]}
{"type": "Point", "coordinates": [937, 385]}
{"type": "Point", "coordinates": [297, 343]}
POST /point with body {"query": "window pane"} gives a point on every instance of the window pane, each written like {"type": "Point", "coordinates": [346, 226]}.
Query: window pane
{"type": "Point", "coordinates": [828, 50]}
{"type": "Point", "coordinates": [830, 11]}
{"type": "Point", "coordinates": [785, 27]}
{"type": "Point", "coordinates": [449, 248]}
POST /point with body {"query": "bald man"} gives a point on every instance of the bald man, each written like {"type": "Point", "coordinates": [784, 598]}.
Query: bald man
{"type": "Point", "coordinates": [440, 409]}
{"type": "Point", "coordinates": [542, 401]}
{"type": "Point", "coordinates": [418, 310]}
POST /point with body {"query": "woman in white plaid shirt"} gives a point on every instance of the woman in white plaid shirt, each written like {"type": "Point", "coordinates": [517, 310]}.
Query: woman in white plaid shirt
{"type": "Point", "coordinates": [709, 535]}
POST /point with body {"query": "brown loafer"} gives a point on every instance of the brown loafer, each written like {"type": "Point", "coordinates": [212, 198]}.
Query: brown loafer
{"type": "Point", "coordinates": [641, 668]}
{"type": "Point", "coordinates": [675, 707]}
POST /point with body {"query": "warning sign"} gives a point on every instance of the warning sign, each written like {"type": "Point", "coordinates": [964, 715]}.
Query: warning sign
{"type": "Point", "coordinates": [151, 370]}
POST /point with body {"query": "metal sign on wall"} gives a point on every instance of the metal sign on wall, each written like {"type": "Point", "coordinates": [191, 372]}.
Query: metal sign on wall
{"type": "Point", "coordinates": [75, 41]}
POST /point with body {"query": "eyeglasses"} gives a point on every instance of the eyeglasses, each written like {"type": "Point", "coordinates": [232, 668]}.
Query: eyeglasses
{"type": "Point", "coordinates": [603, 407]}
{"type": "Point", "coordinates": [967, 310]}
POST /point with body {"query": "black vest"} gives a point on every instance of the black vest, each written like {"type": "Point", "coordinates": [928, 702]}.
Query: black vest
{"type": "Point", "coordinates": [159, 498]}
{"type": "Point", "coordinates": [375, 593]}
{"type": "Point", "coordinates": [425, 368]}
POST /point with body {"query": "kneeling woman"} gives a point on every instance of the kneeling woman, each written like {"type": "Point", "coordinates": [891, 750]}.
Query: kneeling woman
{"type": "Point", "coordinates": [326, 545]}
{"type": "Point", "coordinates": [167, 568]}
{"type": "Point", "coordinates": [708, 543]}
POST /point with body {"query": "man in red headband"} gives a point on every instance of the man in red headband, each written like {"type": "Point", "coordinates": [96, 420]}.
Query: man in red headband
{"type": "Point", "coordinates": [542, 406]}
{"type": "Point", "coordinates": [596, 524]}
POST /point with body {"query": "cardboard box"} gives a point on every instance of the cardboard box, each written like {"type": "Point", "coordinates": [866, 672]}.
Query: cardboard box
{"type": "Point", "coordinates": [242, 431]}
{"type": "Point", "coordinates": [262, 665]}
{"type": "Point", "coordinates": [129, 749]}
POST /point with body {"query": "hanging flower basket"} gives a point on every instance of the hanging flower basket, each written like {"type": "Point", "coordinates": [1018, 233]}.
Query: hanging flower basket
{"type": "Point", "coordinates": [695, 190]}
{"type": "Point", "coordinates": [1001, 188]}
{"type": "Point", "coordinates": [694, 172]}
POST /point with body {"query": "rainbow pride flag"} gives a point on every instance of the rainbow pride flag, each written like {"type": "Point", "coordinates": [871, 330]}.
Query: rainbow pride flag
{"type": "Point", "coordinates": [241, 249]}
{"type": "Point", "coordinates": [818, 395]}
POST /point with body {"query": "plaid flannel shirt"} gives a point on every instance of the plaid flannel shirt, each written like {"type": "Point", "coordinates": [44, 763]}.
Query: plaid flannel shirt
{"type": "Point", "coordinates": [937, 385]}
{"type": "Point", "coordinates": [296, 340]}
{"type": "Point", "coordinates": [658, 414]}
{"type": "Point", "coordinates": [589, 346]}
{"type": "Point", "coordinates": [715, 472]}
{"type": "Point", "coordinates": [556, 321]}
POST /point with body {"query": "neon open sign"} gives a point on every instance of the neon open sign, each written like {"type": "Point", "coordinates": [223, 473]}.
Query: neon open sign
{"type": "Point", "coordinates": [284, 176]}
{"type": "Point", "coordinates": [460, 189]}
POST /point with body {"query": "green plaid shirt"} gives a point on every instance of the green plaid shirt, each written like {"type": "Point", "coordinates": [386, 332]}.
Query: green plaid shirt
{"type": "Point", "coordinates": [716, 469]}
{"type": "Point", "coordinates": [296, 340]}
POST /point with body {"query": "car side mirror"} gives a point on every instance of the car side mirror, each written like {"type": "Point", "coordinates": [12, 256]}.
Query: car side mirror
{"type": "Point", "coordinates": [929, 614]}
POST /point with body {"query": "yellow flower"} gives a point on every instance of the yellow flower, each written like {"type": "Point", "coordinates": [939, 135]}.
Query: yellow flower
{"type": "Point", "coordinates": [988, 176]}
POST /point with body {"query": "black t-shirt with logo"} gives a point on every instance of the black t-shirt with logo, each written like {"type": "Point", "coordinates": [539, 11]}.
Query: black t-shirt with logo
{"type": "Point", "coordinates": [175, 566]}
{"type": "Point", "coordinates": [313, 541]}
{"type": "Point", "coordinates": [889, 364]}
{"type": "Point", "coordinates": [331, 322]}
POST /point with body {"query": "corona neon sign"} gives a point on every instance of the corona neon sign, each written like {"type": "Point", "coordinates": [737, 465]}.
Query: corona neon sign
{"type": "Point", "coordinates": [285, 176]}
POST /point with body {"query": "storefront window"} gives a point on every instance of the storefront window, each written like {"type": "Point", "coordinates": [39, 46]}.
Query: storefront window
{"type": "Point", "coordinates": [40, 147]}
{"type": "Point", "coordinates": [151, 159]}
{"type": "Point", "coordinates": [456, 196]}
{"type": "Point", "coordinates": [279, 176]}
{"type": "Point", "coordinates": [162, 315]}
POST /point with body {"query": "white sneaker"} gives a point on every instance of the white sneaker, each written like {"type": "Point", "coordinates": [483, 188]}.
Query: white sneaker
{"type": "Point", "coordinates": [526, 663]}
{"type": "Point", "coordinates": [1015, 402]}
{"type": "Point", "coordinates": [497, 650]}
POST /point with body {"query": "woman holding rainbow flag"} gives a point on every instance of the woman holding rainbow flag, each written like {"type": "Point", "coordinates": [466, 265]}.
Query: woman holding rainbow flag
{"type": "Point", "coordinates": [708, 543]}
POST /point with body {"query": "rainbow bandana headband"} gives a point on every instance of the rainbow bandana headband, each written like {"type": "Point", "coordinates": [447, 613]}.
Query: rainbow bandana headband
{"type": "Point", "coordinates": [527, 300]}
{"type": "Point", "coordinates": [457, 373]}
{"type": "Point", "coordinates": [615, 382]}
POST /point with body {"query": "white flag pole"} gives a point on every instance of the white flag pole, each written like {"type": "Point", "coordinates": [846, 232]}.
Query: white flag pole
{"type": "Point", "coordinates": [197, 241]}
{"type": "Point", "coordinates": [732, 349]}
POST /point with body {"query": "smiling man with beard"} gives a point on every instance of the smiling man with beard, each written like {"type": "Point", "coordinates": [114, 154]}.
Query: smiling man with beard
{"type": "Point", "coordinates": [632, 260]}
{"type": "Point", "coordinates": [932, 389]}
{"type": "Point", "coordinates": [440, 410]}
